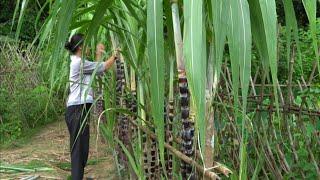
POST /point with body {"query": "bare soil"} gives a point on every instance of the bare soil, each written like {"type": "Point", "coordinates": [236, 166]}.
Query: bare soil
{"type": "Point", "coordinates": [50, 147]}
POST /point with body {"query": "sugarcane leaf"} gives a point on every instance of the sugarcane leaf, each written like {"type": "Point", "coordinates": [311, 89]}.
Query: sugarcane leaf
{"type": "Point", "coordinates": [83, 23]}
{"type": "Point", "coordinates": [233, 43]}
{"type": "Point", "coordinates": [220, 18]}
{"type": "Point", "coordinates": [25, 169]}
{"type": "Point", "coordinates": [311, 9]}
{"type": "Point", "coordinates": [169, 28]}
{"type": "Point", "coordinates": [269, 15]}
{"type": "Point", "coordinates": [24, 5]}
{"type": "Point", "coordinates": [177, 37]}
{"type": "Point", "coordinates": [130, 157]}
{"type": "Point", "coordinates": [258, 33]}
{"type": "Point", "coordinates": [264, 28]}
{"type": "Point", "coordinates": [39, 14]}
{"type": "Point", "coordinates": [239, 38]}
{"type": "Point", "coordinates": [131, 9]}
{"type": "Point", "coordinates": [98, 18]}
{"type": "Point", "coordinates": [156, 64]}
{"type": "Point", "coordinates": [84, 11]}
{"type": "Point", "coordinates": [61, 32]}
{"type": "Point", "coordinates": [195, 61]}
{"type": "Point", "coordinates": [15, 13]}
{"type": "Point", "coordinates": [292, 28]}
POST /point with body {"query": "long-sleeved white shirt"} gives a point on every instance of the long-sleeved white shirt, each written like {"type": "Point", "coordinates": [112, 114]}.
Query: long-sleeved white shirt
{"type": "Point", "coordinates": [81, 73]}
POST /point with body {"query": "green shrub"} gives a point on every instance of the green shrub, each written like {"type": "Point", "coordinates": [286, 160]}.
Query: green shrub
{"type": "Point", "coordinates": [34, 106]}
{"type": "Point", "coordinates": [307, 55]}
{"type": "Point", "coordinates": [25, 102]}
{"type": "Point", "coordinates": [9, 129]}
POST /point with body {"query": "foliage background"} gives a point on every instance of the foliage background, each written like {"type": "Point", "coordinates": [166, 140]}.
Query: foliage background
{"type": "Point", "coordinates": [24, 94]}
{"type": "Point", "coordinates": [24, 105]}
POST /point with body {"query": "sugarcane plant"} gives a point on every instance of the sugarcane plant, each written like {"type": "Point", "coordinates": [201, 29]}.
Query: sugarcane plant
{"type": "Point", "coordinates": [169, 118]}
{"type": "Point", "coordinates": [122, 120]}
{"type": "Point", "coordinates": [154, 130]}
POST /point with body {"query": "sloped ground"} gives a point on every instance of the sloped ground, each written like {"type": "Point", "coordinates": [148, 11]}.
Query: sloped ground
{"type": "Point", "coordinates": [50, 148]}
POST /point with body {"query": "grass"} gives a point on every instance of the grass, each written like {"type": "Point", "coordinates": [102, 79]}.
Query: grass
{"type": "Point", "coordinates": [67, 165]}
{"type": "Point", "coordinates": [24, 138]}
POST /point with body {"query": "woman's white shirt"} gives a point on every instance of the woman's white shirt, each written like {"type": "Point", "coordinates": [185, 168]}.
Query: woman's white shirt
{"type": "Point", "coordinates": [81, 73]}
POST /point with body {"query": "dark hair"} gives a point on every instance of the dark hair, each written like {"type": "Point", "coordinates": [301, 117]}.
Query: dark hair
{"type": "Point", "coordinates": [75, 42]}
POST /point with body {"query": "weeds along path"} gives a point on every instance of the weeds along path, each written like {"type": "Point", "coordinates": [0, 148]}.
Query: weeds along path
{"type": "Point", "coordinates": [49, 150]}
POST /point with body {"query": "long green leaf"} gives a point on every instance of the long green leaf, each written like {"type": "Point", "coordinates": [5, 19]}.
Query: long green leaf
{"type": "Point", "coordinates": [195, 61]}
{"type": "Point", "coordinates": [36, 21]}
{"type": "Point", "coordinates": [156, 63]}
{"type": "Point", "coordinates": [233, 43]}
{"type": "Point", "coordinates": [15, 13]}
{"type": "Point", "coordinates": [24, 5]}
{"type": "Point", "coordinates": [311, 9]}
{"type": "Point", "coordinates": [130, 157]}
{"type": "Point", "coordinates": [98, 18]}
{"type": "Point", "coordinates": [220, 25]}
{"type": "Point", "coordinates": [61, 32]}
{"type": "Point", "coordinates": [240, 52]}
{"type": "Point", "coordinates": [291, 27]}
{"type": "Point", "coordinates": [264, 31]}
{"type": "Point", "coordinates": [258, 33]}
{"type": "Point", "coordinates": [269, 15]}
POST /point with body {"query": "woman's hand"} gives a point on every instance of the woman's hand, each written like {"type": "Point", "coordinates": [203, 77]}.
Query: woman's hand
{"type": "Point", "coordinates": [100, 49]}
{"type": "Point", "coordinates": [117, 52]}
{"type": "Point", "coordinates": [109, 62]}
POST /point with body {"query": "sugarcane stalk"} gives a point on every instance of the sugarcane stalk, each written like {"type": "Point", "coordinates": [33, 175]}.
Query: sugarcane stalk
{"type": "Point", "coordinates": [187, 132]}
{"type": "Point", "coordinates": [122, 101]}
{"type": "Point", "coordinates": [133, 102]}
{"type": "Point", "coordinates": [99, 106]}
{"type": "Point", "coordinates": [207, 173]}
{"type": "Point", "coordinates": [120, 117]}
{"type": "Point", "coordinates": [154, 163]}
{"type": "Point", "coordinates": [169, 138]}
{"type": "Point", "coordinates": [169, 116]}
{"type": "Point", "coordinates": [218, 166]}
{"type": "Point", "coordinates": [144, 138]}
{"type": "Point", "coordinates": [145, 157]}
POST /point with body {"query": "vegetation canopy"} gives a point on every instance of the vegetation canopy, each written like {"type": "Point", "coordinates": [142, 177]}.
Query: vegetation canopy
{"type": "Point", "coordinates": [201, 88]}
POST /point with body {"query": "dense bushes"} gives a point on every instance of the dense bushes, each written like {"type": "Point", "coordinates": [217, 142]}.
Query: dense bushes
{"type": "Point", "coordinates": [24, 97]}
{"type": "Point", "coordinates": [308, 56]}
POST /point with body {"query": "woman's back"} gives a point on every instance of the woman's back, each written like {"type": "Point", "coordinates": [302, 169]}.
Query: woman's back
{"type": "Point", "coordinates": [80, 77]}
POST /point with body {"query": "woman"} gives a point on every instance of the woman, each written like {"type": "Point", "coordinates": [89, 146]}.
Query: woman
{"type": "Point", "coordinates": [80, 100]}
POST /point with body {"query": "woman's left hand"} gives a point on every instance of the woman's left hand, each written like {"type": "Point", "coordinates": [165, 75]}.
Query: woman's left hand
{"type": "Point", "coordinates": [100, 49]}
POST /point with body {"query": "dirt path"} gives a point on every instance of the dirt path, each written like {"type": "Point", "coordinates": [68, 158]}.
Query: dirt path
{"type": "Point", "coordinates": [50, 148]}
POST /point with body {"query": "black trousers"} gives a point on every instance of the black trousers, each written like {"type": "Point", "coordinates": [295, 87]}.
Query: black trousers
{"type": "Point", "coordinates": [77, 119]}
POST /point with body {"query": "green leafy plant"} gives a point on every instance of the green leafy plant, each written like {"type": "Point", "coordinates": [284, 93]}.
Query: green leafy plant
{"type": "Point", "coordinates": [146, 34]}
